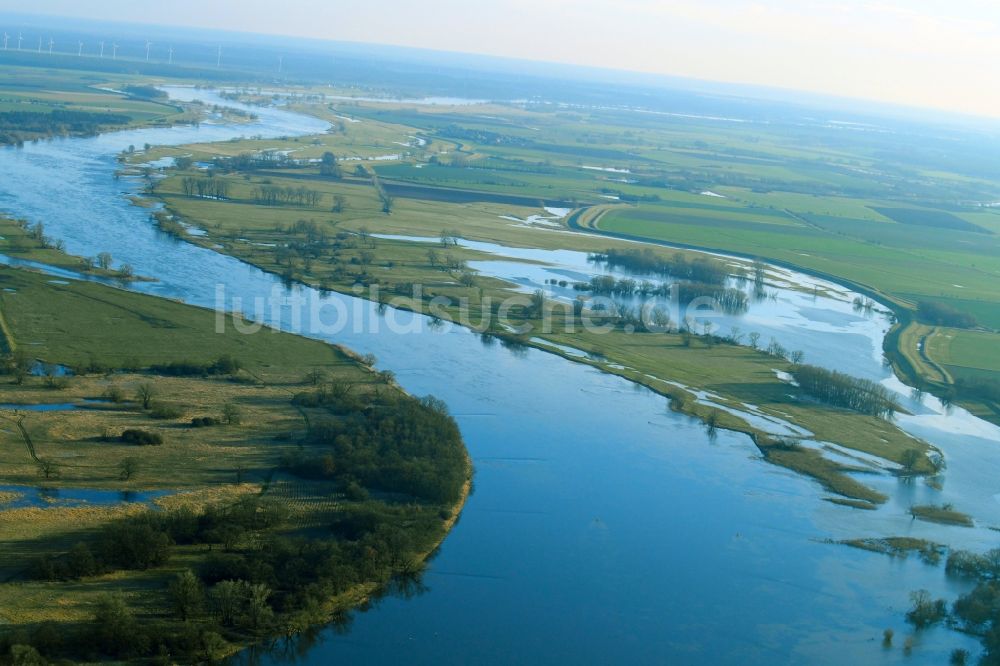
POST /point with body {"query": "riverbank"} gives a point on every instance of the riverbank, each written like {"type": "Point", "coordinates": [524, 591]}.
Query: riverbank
{"type": "Point", "coordinates": [678, 366]}
{"type": "Point", "coordinates": [38, 104]}
{"type": "Point", "coordinates": [902, 345]}
{"type": "Point", "coordinates": [28, 244]}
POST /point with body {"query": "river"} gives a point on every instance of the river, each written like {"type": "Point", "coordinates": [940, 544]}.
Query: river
{"type": "Point", "coordinates": [602, 527]}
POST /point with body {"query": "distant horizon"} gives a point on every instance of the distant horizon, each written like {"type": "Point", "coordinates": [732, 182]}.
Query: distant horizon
{"type": "Point", "coordinates": [978, 103]}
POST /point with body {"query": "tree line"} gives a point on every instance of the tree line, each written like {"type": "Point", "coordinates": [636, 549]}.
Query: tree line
{"type": "Point", "coordinates": [942, 314]}
{"type": "Point", "coordinates": [276, 195]}
{"type": "Point", "coordinates": [145, 92]}
{"type": "Point", "coordinates": [209, 187]}
{"type": "Point", "coordinates": [699, 269]}
{"type": "Point", "coordinates": [731, 301]}
{"type": "Point", "coordinates": [16, 127]}
{"type": "Point", "coordinates": [249, 162]}
{"type": "Point", "coordinates": [841, 390]}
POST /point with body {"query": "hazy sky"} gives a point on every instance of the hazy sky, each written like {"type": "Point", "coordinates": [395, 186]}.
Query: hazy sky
{"type": "Point", "coordinates": [932, 53]}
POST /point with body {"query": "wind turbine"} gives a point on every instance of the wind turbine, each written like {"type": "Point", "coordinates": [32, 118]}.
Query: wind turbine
{"type": "Point", "coordinates": [281, 62]}
{"type": "Point", "coordinates": [102, 49]}
{"type": "Point", "coordinates": [51, 44]}
{"type": "Point", "coordinates": [39, 44]}
{"type": "Point", "coordinates": [148, 44]}
{"type": "Point", "coordinates": [19, 38]}
{"type": "Point", "coordinates": [170, 55]}
{"type": "Point", "coordinates": [80, 50]}
{"type": "Point", "coordinates": [218, 61]}
{"type": "Point", "coordinates": [114, 51]}
{"type": "Point", "coordinates": [5, 38]}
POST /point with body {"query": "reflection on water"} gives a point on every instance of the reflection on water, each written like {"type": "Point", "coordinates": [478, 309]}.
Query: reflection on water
{"type": "Point", "coordinates": [603, 526]}
{"type": "Point", "coordinates": [42, 497]}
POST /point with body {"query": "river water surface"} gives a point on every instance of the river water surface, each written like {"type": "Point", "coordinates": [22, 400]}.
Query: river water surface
{"type": "Point", "coordinates": [602, 527]}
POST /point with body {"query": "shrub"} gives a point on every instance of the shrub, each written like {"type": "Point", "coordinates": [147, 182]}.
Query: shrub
{"type": "Point", "coordinates": [25, 655]}
{"type": "Point", "coordinates": [165, 412]}
{"type": "Point", "coordinates": [204, 422]}
{"type": "Point", "coordinates": [224, 365]}
{"type": "Point", "coordinates": [942, 314]}
{"type": "Point", "coordinates": [57, 382]}
{"type": "Point", "coordinates": [141, 437]}
{"type": "Point", "coordinates": [925, 611]}
{"type": "Point", "coordinates": [114, 394]}
{"type": "Point", "coordinates": [231, 414]}
{"type": "Point", "coordinates": [355, 492]}
{"type": "Point", "coordinates": [840, 390]}
{"type": "Point", "coordinates": [133, 544]}
{"type": "Point", "coordinates": [145, 394]}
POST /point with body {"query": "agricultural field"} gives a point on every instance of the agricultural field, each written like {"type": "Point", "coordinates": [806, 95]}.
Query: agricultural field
{"type": "Point", "coordinates": [965, 353]}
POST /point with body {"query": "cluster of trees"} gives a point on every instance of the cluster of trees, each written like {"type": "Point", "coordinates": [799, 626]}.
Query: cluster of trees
{"type": "Point", "coordinates": [942, 314]}
{"type": "Point", "coordinates": [626, 197]}
{"type": "Point", "coordinates": [974, 565]}
{"type": "Point", "coordinates": [209, 187]}
{"type": "Point", "coordinates": [249, 162]}
{"type": "Point", "coordinates": [253, 579]}
{"type": "Point", "coordinates": [481, 136]}
{"type": "Point", "coordinates": [976, 612]}
{"type": "Point", "coordinates": [145, 92]}
{"type": "Point", "coordinates": [700, 269]}
{"type": "Point", "coordinates": [139, 437]}
{"type": "Point", "coordinates": [776, 349]}
{"type": "Point", "coordinates": [729, 300]}
{"type": "Point", "coordinates": [36, 232]}
{"type": "Point", "coordinates": [241, 603]}
{"type": "Point", "coordinates": [16, 127]}
{"type": "Point", "coordinates": [609, 286]}
{"type": "Point", "coordinates": [863, 304]}
{"type": "Point", "coordinates": [328, 166]}
{"type": "Point", "coordinates": [397, 444]}
{"type": "Point", "coordinates": [384, 197]}
{"type": "Point", "coordinates": [224, 365]}
{"type": "Point", "coordinates": [977, 388]}
{"type": "Point", "coordinates": [841, 390]}
{"type": "Point", "coordinates": [312, 232]}
{"type": "Point", "coordinates": [276, 195]}
{"type": "Point", "coordinates": [135, 544]}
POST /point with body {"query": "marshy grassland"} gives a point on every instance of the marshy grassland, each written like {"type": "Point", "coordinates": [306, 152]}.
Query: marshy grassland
{"type": "Point", "coordinates": [236, 443]}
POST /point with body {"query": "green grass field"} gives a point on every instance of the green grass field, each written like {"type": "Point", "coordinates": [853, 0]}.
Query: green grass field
{"type": "Point", "coordinates": [966, 351]}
